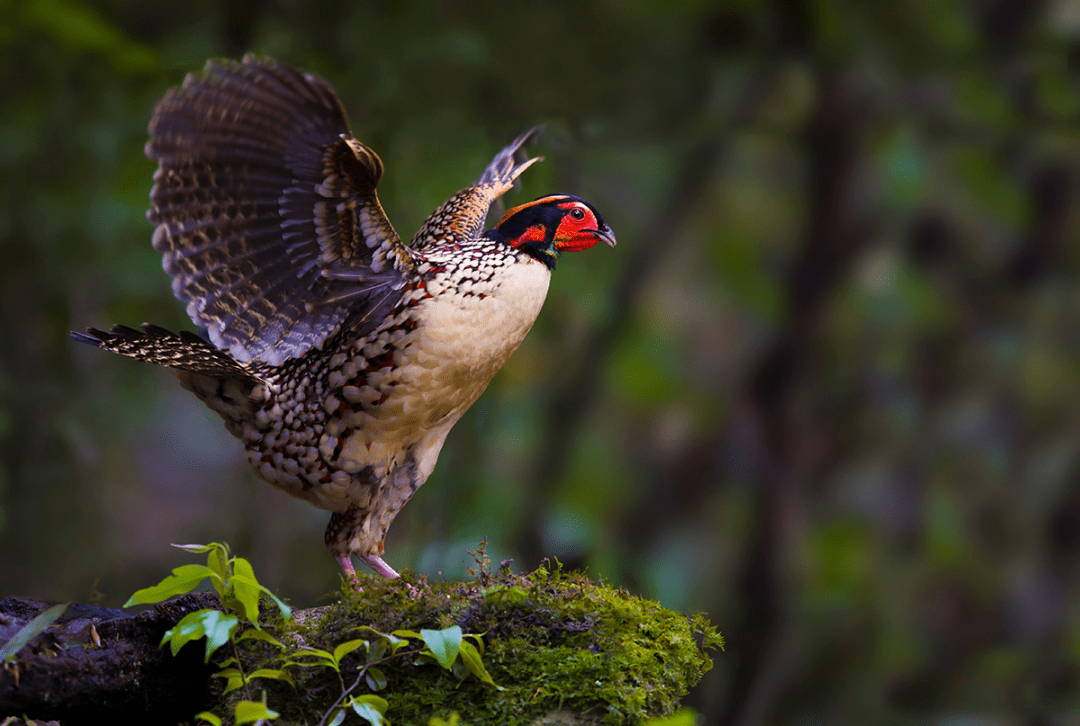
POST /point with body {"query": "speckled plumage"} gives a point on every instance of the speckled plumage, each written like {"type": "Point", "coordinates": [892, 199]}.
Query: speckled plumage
{"type": "Point", "coordinates": [339, 356]}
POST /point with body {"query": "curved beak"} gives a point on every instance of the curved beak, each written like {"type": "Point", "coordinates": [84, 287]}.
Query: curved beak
{"type": "Point", "coordinates": [604, 234]}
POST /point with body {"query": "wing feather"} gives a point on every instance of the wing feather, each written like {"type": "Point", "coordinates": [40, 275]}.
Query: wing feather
{"type": "Point", "coordinates": [266, 210]}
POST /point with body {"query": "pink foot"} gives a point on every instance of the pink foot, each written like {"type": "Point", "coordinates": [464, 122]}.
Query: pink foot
{"type": "Point", "coordinates": [345, 561]}
{"type": "Point", "coordinates": [379, 566]}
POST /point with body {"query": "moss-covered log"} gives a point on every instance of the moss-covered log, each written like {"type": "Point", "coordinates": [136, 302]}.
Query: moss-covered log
{"type": "Point", "coordinates": [562, 650]}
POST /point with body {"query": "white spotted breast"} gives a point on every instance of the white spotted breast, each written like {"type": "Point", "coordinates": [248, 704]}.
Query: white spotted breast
{"type": "Point", "coordinates": [474, 320]}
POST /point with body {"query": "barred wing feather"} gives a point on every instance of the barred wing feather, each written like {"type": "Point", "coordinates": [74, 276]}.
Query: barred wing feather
{"type": "Point", "coordinates": [266, 210]}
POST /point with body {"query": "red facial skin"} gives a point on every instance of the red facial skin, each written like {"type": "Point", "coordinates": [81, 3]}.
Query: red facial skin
{"type": "Point", "coordinates": [550, 225]}
{"type": "Point", "coordinates": [535, 233]}
{"type": "Point", "coordinates": [576, 230]}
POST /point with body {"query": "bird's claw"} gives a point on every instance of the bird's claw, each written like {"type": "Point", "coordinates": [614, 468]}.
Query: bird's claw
{"type": "Point", "coordinates": [347, 569]}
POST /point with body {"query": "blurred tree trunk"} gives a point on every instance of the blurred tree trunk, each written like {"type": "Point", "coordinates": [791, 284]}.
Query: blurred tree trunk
{"type": "Point", "coordinates": [836, 232]}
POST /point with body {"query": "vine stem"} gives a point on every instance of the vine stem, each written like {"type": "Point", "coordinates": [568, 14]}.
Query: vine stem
{"type": "Point", "coordinates": [345, 693]}
{"type": "Point", "coordinates": [359, 677]}
{"type": "Point", "coordinates": [240, 667]}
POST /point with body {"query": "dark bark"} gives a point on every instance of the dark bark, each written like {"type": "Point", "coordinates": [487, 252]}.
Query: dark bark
{"type": "Point", "coordinates": [66, 675]}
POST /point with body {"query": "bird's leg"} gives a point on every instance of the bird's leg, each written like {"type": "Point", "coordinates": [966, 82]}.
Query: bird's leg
{"type": "Point", "coordinates": [342, 534]}
{"type": "Point", "coordinates": [378, 564]}
{"type": "Point", "coordinates": [345, 561]}
{"type": "Point", "coordinates": [346, 566]}
{"type": "Point", "coordinates": [338, 533]}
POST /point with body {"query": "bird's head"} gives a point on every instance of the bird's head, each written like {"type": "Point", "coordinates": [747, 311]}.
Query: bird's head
{"type": "Point", "coordinates": [549, 225]}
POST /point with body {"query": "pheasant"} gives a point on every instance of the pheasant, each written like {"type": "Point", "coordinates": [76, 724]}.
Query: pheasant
{"type": "Point", "coordinates": [338, 355]}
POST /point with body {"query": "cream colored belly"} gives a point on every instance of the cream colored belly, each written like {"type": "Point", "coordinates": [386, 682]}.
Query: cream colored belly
{"type": "Point", "coordinates": [444, 366]}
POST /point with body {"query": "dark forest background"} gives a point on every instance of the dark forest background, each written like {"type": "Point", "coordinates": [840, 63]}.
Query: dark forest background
{"type": "Point", "coordinates": [826, 390]}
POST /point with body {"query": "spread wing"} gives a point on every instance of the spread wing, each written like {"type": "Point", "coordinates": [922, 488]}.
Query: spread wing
{"type": "Point", "coordinates": [266, 210]}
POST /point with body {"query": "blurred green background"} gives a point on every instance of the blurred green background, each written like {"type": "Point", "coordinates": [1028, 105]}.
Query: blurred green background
{"type": "Point", "coordinates": [826, 390]}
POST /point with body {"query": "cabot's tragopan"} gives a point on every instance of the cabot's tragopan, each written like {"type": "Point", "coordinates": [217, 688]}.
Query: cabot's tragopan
{"type": "Point", "coordinates": [338, 355]}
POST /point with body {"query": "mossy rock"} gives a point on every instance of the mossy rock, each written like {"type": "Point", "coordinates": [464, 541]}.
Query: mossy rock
{"type": "Point", "coordinates": [563, 650]}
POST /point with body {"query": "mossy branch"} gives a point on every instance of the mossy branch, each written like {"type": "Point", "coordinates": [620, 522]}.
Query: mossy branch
{"type": "Point", "coordinates": [561, 648]}
{"type": "Point", "coordinates": [555, 643]}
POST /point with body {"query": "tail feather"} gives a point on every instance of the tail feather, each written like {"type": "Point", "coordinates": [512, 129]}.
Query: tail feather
{"type": "Point", "coordinates": [502, 171]}
{"type": "Point", "coordinates": [462, 215]}
{"type": "Point", "coordinates": [183, 351]}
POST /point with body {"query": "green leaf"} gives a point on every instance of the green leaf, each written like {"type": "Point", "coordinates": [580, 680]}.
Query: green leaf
{"type": "Point", "coordinates": [459, 670]}
{"type": "Point", "coordinates": [339, 716]}
{"type": "Point", "coordinates": [209, 718]}
{"type": "Point", "coordinates": [396, 643]}
{"type": "Point", "coordinates": [183, 580]}
{"type": "Point", "coordinates": [479, 642]}
{"type": "Point", "coordinates": [248, 711]}
{"type": "Point", "coordinates": [375, 633]}
{"type": "Point", "coordinates": [348, 647]}
{"type": "Point", "coordinates": [214, 625]}
{"type": "Point", "coordinates": [381, 642]}
{"type": "Point", "coordinates": [286, 612]}
{"type": "Point", "coordinates": [424, 658]}
{"type": "Point", "coordinates": [453, 720]}
{"type": "Point", "coordinates": [315, 653]}
{"type": "Point", "coordinates": [235, 678]}
{"type": "Point", "coordinates": [470, 656]}
{"type": "Point", "coordinates": [370, 708]}
{"type": "Point", "coordinates": [407, 634]}
{"type": "Point", "coordinates": [377, 650]}
{"type": "Point", "coordinates": [322, 659]}
{"type": "Point", "coordinates": [278, 675]}
{"type": "Point", "coordinates": [200, 548]}
{"type": "Point", "coordinates": [218, 563]}
{"type": "Point", "coordinates": [193, 547]}
{"type": "Point", "coordinates": [682, 717]}
{"type": "Point", "coordinates": [379, 703]}
{"type": "Point", "coordinates": [245, 589]}
{"type": "Point", "coordinates": [368, 713]}
{"type": "Point", "coordinates": [27, 632]}
{"type": "Point", "coordinates": [189, 628]}
{"type": "Point", "coordinates": [376, 679]}
{"type": "Point", "coordinates": [253, 634]}
{"type": "Point", "coordinates": [219, 628]}
{"type": "Point", "coordinates": [443, 644]}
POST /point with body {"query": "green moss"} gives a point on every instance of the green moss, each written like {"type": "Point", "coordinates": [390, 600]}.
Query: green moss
{"type": "Point", "coordinates": [564, 649]}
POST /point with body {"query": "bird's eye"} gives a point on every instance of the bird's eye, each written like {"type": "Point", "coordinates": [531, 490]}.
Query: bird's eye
{"type": "Point", "coordinates": [577, 213]}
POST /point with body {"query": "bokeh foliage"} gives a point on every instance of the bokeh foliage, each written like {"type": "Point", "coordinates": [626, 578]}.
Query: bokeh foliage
{"type": "Point", "coordinates": [826, 388]}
